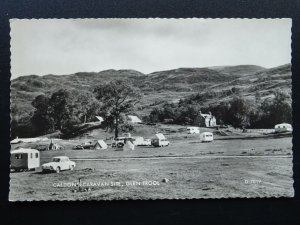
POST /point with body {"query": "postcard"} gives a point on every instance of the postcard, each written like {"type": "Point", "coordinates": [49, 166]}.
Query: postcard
{"type": "Point", "coordinates": [114, 109]}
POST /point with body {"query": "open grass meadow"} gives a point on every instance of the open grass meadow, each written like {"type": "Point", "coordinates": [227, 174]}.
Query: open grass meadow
{"type": "Point", "coordinates": [185, 169]}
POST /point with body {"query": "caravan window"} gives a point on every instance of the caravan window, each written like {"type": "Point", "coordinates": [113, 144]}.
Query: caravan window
{"type": "Point", "coordinates": [31, 155]}
{"type": "Point", "coordinates": [36, 155]}
{"type": "Point", "coordinates": [18, 156]}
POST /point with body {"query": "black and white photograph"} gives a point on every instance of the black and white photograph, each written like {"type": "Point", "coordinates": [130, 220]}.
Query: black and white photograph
{"type": "Point", "coordinates": [118, 109]}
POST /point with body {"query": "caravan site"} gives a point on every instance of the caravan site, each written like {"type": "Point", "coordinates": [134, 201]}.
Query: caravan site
{"type": "Point", "coordinates": [186, 127]}
{"type": "Point", "coordinates": [187, 159]}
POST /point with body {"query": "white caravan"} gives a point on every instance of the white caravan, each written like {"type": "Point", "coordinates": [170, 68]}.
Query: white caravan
{"type": "Point", "coordinates": [206, 137]}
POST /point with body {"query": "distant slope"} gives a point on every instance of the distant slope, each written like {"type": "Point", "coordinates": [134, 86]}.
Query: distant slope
{"type": "Point", "coordinates": [238, 70]}
{"type": "Point", "coordinates": [162, 86]}
{"type": "Point", "coordinates": [25, 89]}
{"type": "Point", "coordinates": [262, 83]}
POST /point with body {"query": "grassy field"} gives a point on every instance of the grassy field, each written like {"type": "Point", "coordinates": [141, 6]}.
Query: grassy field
{"type": "Point", "coordinates": [185, 169]}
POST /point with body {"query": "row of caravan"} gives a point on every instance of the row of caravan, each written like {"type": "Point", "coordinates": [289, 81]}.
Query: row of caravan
{"type": "Point", "coordinates": [278, 128]}
{"type": "Point", "coordinates": [204, 137]}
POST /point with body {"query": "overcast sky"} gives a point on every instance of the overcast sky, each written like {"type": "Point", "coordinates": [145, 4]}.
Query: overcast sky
{"type": "Point", "coordinates": [65, 46]}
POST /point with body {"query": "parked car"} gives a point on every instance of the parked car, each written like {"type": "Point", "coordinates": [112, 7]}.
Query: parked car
{"type": "Point", "coordinates": [193, 130]}
{"type": "Point", "coordinates": [147, 142]}
{"type": "Point", "coordinates": [78, 147]}
{"type": "Point", "coordinates": [160, 142]}
{"type": "Point", "coordinates": [88, 145]}
{"type": "Point", "coordinates": [58, 164]}
{"type": "Point", "coordinates": [118, 142]}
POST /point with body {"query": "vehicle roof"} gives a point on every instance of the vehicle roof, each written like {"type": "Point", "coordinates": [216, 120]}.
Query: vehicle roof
{"type": "Point", "coordinates": [24, 150]}
{"type": "Point", "coordinates": [60, 157]}
{"type": "Point", "coordinates": [283, 124]}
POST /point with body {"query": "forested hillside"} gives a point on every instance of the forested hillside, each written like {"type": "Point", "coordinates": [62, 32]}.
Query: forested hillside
{"type": "Point", "coordinates": [205, 88]}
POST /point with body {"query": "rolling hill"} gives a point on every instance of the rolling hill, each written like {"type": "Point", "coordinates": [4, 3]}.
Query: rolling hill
{"type": "Point", "coordinates": [261, 83]}
{"type": "Point", "coordinates": [162, 86]}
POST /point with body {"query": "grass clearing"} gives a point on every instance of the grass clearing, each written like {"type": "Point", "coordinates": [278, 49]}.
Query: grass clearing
{"type": "Point", "coordinates": [193, 177]}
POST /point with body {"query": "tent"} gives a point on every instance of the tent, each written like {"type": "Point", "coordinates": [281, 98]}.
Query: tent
{"type": "Point", "coordinates": [159, 140]}
{"type": "Point", "coordinates": [54, 146]}
{"type": "Point", "coordinates": [128, 146]}
{"type": "Point", "coordinates": [159, 136]}
{"type": "Point", "coordinates": [134, 119]}
{"type": "Point", "coordinates": [100, 144]}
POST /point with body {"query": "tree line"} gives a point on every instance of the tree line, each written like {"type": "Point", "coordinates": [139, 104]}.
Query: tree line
{"type": "Point", "coordinates": [64, 109]}
{"type": "Point", "coordinates": [238, 112]}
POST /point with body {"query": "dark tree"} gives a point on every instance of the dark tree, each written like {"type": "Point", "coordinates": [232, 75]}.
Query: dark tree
{"type": "Point", "coordinates": [61, 103]}
{"type": "Point", "coordinates": [117, 97]}
{"type": "Point", "coordinates": [239, 113]}
{"type": "Point", "coordinates": [42, 120]}
{"type": "Point", "coordinates": [276, 111]}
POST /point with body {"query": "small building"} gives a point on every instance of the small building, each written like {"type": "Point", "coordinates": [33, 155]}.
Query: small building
{"type": "Point", "coordinates": [206, 137]}
{"type": "Point", "coordinates": [175, 101]}
{"type": "Point", "coordinates": [24, 159]}
{"type": "Point", "coordinates": [207, 120]}
{"type": "Point", "coordinates": [283, 127]}
{"type": "Point", "coordinates": [134, 119]}
{"type": "Point", "coordinates": [168, 121]}
{"type": "Point", "coordinates": [193, 130]}
{"type": "Point", "coordinates": [100, 144]}
{"type": "Point", "coordinates": [100, 118]}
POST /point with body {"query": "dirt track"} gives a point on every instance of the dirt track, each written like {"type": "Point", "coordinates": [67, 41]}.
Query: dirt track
{"type": "Point", "coordinates": [182, 157]}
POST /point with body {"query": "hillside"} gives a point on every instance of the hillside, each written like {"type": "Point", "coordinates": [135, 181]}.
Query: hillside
{"type": "Point", "coordinates": [261, 83]}
{"type": "Point", "coordinates": [162, 86]}
{"type": "Point", "coordinates": [238, 70]}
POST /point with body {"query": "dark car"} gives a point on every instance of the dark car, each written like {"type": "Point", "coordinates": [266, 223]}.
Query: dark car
{"type": "Point", "coordinates": [78, 147]}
